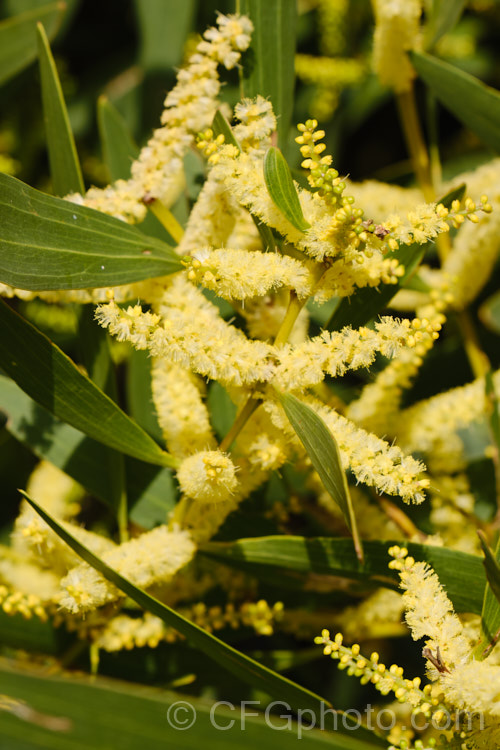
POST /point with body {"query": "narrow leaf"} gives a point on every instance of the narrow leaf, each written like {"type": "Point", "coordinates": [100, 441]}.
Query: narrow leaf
{"type": "Point", "coordinates": [242, 666]}
{"type": "Point", "coordinates": [107, 713]}
{"type": "Point", "coordinates": [456, 194]}
{"type": "Point", "coordinates": [443, 17]}
{"type": "Point", "coordinates": [151, 490]}
{"type": "Point", "coordinates": [368, 302]}
{"type": "Point", "coordinates": [18, 40]}
{"type": "Point", "coordinates": [473, 102]}
{"type": "Point", "coordinates": [48, 243]}
{"type": "Point", "coordinates": [323, 451]}
{"type": "Point", "coordinates": [220, 126]}
{"type": "Point", "coordinates": [46, 374]}
{"type": "Point", "coordinates": [461, 574]}
{"type": "Point", "coordinates": [489, 312]}
{"type": "Point", "coordinates": [490, 614]}
{"type": "Point", "coordinates": [119, 150]}
{"type": "Point", "coordinates": [63, 158]}
{"type": "Point", "coordinates": [281, 188]}
{"type": "Point", "coordinates": [269, 65]}
{"type": "Point", "coordinates": [491, 565]}
{"type": "Point", "coordinates": [164, 26]}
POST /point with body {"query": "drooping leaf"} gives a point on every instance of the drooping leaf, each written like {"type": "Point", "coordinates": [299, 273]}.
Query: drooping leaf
{"type": "Point", "coordinates": [163, 26]}
{"type": "Point", "coordinates": [269, 64]}
{"type": "Point", "coordinates": [280, 186]}
{"type": "Point", "coordinates": [151, 490]}
{"type": "Point", "coordinates": [49, 243]}
{"type": "Point", "coordinates": [491, 566]}
{"type": "Point", "coordinates": [18, 39]}
{"type": "Point", "coordinates": [323, 451]}
{"type": "Point", "coordinates": [139, 394]}
{"type": "Point", "coordinates": [228, 657]}
{"type": "Point", "coordinates": [105, 712]}
{"type": "Point", "coordinates": [46, 374]}
{"type": "Point", "coordinates": [119, 150]}
{"type": "Point", "coordinates": [65, 167]}
{"type": "Point", "coordinates": [461, 574]}
{"type": "Point", "coordinates": [473, 102]}
{"type": "Point", "coordinates": [444, 14]}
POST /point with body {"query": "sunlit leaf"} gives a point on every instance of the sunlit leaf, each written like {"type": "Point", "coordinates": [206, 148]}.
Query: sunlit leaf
{"type": "Point", "coordinates": [63, 158]}
{"type": "Point", "coordinates": [323, 451]}
{"type": "Point", "coordinates": [49, 243]}
{"type": "Point", "coordinates": [280, 186]}
{"type": "Point", "coordinates": [46, 374]}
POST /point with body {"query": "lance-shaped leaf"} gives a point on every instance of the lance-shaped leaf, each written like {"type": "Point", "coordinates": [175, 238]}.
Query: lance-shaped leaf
{"type": "Point", "coordinates": [368, 302]}
{"type": "Point", "coordinates": [18, 46]}
{"type": "Point", "coordinates": [163, 27]}
{"type": "Point", "coordinates": [269, 68]}
{"type": "Point", "coordinates": [323, 451]}
{"type": "Point", "coordinates": [461, 574]}
{"type": "Point", "coordinates": [46, 374]}
{"type": "Point", "coordinates": [490, 615]}
{"type": "Point", "coordinates": [245, 668]}
{"type": "Point", "coordinates": [443, 16]}
{"type": "Point", "coordinates": [49, 243]}
{"type": "Point", "coordinates": [63, 158]}
{"type": "Point", "coordinates": [280, 186]}
{"type": "Point", "coordinates": [104, 713]}
{"type": "Point", "coordinates": [119, 150]}
{"type": "Point", "coordinates": [220, 126]}
{"type": "Point", "coordinates": [473, 102]}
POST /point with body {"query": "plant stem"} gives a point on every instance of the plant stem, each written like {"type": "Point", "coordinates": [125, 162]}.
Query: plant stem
{"type": "Point", "coordinates": [415, 141]}
{"type": "Point", "coordinates": [167, 219]}
{"type": "Point", "coordinates": [241, 419]}
{"type": "Point", "coordinates": [294, 307]}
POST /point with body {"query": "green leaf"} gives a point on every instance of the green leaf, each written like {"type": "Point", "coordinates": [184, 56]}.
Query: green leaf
{"type": "Point", "coordinates": [228, 657]}
{"type": "Point", "coordinates": [280, 186]}
{"type": "Point", "coordinates": [474, 103]}
{"type": "Point", "coordinates": [490, 565]}
{"type": "Point", "coordinates": [323, 451]}
{"type": "Point", "coordinates": [490, 614]}
{"type": "Point", "coordinates": [63, 158]}
{"type": "Point", "coordinates": [368, 302]}
{"type": "Point", "coordinates": [48, 243]}
{"type": "Point", "coordinates": [18, 40]}
{"type": "Point", "coordinates": [119, 149]}
{"type": "Point", "coordinates": [164, 26]}
{"type": "Point", "coordinates": [151, 489]}
{"type": "Point", "coordinates": [139, 394]}
{"type": "Point", "coordinates": [46, 374]}
{"type": "Point", "coordinates": [461, 574]}
{"type": "Point", "coordinates": [220, 126]}
{"type": "Point", "coordinates": [93, 345]}
{"type": "Point", "coordinates": [457, 194]}
{"type": "Point", "coordinates": [443, 17]}
{"type": "Point", "coordinates": [489, 312]}
{"type": "Point", "coordinates": [269, 66]}
{"type": "Point", "coordinates": [106, 713]}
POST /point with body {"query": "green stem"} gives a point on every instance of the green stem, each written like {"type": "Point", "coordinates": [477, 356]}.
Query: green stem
{"type": "Point", "coordinates": [167, 219]}
{"type": "Point", "coordinates": [241, 419]}
{"type": "Point", "coordinates": [294, 307]}
{"type": "Point", "coordinates": [415, 141]}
